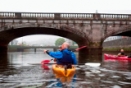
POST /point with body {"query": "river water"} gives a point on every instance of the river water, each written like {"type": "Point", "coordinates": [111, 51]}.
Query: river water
{"type": "Point", "coordinates": [23, 70]}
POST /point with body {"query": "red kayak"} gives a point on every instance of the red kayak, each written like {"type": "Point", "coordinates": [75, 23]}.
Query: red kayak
{"type": "Point", "coordinates": [115, 57]}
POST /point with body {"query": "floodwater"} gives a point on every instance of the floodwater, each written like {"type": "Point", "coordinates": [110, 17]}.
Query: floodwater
{"type": "Point", "coordinates": [23, 70]}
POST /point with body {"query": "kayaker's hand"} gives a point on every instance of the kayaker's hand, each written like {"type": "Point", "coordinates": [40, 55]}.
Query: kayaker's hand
{"type": "Point", "coordinates": [76, 50]}
{"type": "Point", "coordinates": [45, 51]}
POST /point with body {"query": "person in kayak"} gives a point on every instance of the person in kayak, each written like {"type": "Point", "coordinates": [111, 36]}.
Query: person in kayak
{"type": "Point", "coordinates": [55, 60]}
{"type": "Point", "coordinates": [121, 53]}
{"type": "Point", "coordinates": [64, 56]}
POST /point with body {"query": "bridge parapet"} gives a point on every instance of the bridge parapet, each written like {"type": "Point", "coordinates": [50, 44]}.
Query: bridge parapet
{"type": "Point", "coordinates": [65, 16]}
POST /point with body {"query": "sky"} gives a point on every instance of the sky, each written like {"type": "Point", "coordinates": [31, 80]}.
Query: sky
{"type": "Point", "coordinates": [34, 39]}
{"type": "Point", "coordinates": [66, 6]}
{"type": "Point", "coordinates": [80, 6]}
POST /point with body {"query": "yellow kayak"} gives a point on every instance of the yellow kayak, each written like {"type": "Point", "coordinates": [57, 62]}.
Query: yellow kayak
{"type": "Point", "coordinates": [60, 71]}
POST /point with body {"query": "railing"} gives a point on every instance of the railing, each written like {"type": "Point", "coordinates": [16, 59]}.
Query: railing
{"type": "Point", "coordinates": [62, 16]}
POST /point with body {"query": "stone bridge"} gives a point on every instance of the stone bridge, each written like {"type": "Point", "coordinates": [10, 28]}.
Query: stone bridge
{"type": "Point", "coordinates": [89, 29]}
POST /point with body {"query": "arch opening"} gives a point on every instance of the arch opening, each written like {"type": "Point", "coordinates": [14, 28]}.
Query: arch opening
{"type": "Point", "coordinates": [40, 41]}
{"type": "Point", "coordinates": [115, 43]}
{"type": "Point", "coordinates": [9, 35]}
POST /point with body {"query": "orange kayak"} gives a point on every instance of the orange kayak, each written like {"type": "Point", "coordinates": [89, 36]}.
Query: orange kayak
{"type": "Point", "coordinates": [59, 70]}
{"type": "Point", "coordinates": [64, 75]}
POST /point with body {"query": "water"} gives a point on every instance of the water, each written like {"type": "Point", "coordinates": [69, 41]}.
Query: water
{"type": "Point", "coordinates": [21, 71]}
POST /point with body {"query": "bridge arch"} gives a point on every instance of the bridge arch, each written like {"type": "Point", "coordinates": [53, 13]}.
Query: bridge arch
{"type": "Point", "coordinates": [118, 30]}
{"type": "Point", "coordinates": [20, 30]}
{"type": "Point", "coordinates": [13, 32]}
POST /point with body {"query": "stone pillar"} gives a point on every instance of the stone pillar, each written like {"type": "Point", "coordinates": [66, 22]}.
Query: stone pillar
{"type": "Point", "coordinates": [4, 57]}
{"type": "Point", "coordinates": [35, 50]}
{"type": "Point", "coordinates": [3, 50]}
{"type": "Point", "coordinates": [93, 53]}
{"type": "Point", "coordinates": [4, 62]}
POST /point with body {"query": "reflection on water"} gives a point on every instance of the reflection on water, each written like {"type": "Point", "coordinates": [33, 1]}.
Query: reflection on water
{"type": "Point", "coordinates": [18, 72]}
{"type": "Point", "coordinates": [25, 58]}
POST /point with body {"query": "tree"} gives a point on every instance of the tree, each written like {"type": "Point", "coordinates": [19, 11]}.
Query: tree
{"type": "Point", "coordinates": [59, 41]}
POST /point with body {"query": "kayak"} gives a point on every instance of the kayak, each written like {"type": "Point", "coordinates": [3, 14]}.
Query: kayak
{"type": "Point", "coordinates": [115, 57]}
{"type": "Point", "coordinates": [64, 79]}
{"type": "Point", "coordinates": [60, 71]}
{"type": "Point", "coordinates": [62, 74]}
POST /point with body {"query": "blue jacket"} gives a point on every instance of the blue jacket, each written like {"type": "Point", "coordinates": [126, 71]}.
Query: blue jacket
{"type": "Point", "coordinates": [63, 57]}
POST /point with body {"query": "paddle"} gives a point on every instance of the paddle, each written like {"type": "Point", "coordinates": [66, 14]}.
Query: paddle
{"type": "Point", "coordinates": [80, 48]}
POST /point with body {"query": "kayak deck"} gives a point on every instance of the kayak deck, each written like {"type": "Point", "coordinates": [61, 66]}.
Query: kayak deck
{"type": "Point", "coordinates": [60, 70]}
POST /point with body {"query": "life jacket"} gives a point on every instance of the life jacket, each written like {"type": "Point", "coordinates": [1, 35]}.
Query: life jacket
{"type": "Point", "coordinates": [122, 53]}
{"type": "Point", "coordinates": [67, 57]}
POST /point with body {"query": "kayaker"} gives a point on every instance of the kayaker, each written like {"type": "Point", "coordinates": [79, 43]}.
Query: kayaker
{"type": "Point", "coordinates": [121, 53]}
{"type": "Point", "coordinates": [63, 56]}
{"type": "Point", "coordinates": [55, 60]}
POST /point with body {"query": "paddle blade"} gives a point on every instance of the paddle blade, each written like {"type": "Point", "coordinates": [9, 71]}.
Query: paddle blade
{"type": "Point", "coordinates": [44, 64]}
{"type": "Point", "coordinates": [45, 61]}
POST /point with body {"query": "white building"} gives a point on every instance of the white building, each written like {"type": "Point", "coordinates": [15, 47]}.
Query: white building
{"type": "Point", "coordinates": [112, 38]}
